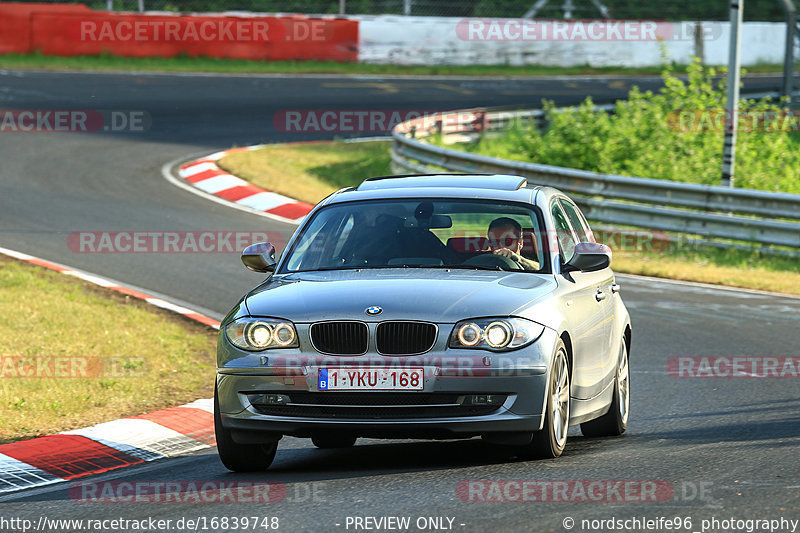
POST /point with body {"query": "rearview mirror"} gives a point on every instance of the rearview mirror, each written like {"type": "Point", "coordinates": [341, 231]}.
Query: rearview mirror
{"type": "Point", "coordinates": [589, 257]}
{"type": "Point", "coordinates": [259, 257]}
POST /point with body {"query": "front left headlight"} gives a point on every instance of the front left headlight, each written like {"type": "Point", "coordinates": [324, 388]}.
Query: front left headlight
{"type": "Point", "coordinates": [498, 334]}
{"type": "Point", "coordinates": [257, 334]}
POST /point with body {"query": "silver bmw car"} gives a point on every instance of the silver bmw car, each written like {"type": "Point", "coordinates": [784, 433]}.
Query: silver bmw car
{"type": "Point", "coordinates": [436, 306]}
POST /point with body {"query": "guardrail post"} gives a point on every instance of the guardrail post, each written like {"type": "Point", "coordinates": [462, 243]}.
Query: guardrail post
{"type": "Point", "coordinates": [788, 58]}
{"type": "Point", "coordinates": [732, 102]}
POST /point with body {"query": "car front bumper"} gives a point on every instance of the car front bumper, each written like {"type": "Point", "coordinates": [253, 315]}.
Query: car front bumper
{"type": "Point", "coordinates": [521, 376]}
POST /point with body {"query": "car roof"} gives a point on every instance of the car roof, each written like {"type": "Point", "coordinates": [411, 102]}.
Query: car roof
{"type": "Point", "coordinates": [501, 187]}
{"type": "Point", "coordinates": [499, 182]}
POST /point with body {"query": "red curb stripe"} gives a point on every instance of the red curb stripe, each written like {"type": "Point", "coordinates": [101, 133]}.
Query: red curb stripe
{"type": "Point", "coordinates": [292, 211]}
{"type": "Point", "coordinates": [190, 421]}
{"type": "Point", "coordinates": [206, 174]}
{"type": "Point", "coordinates": [202, 319]}
{"type": "Point", "coordinates": [68, 456]}
{"type": "Point", "coordinates": [190, 164]}
{"type": "Point", "coordinates": [47, 264]}
{"type": "Point", "coordinates": [131, 292]}
{"type": "Point", "coordinates": [240, 191]}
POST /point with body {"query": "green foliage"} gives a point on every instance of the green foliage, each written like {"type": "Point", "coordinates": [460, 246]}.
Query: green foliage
{"type": "Point", "coordinates": [675, 134]}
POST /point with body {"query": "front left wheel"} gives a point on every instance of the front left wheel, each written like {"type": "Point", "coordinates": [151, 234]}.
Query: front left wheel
{"type": "Point", "coordinates": [240, 457]}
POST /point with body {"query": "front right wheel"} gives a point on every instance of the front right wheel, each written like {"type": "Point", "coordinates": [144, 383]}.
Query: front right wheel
{"type": "Point", "coordinates": [550, 441]}
{"type": "Point", "coordinates": [615, 421]}
{"type": "Point", "coordinates": [240, 457]}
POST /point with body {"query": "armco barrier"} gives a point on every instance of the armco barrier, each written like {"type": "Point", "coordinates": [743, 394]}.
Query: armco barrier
{"type": "Point", "coordinates": [78, 30]}
{"type": "Point", "coordinates": [726, 216]}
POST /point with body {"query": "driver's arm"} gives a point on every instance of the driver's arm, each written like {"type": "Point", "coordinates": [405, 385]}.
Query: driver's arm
{"type": "Point", "coordinates": [525, 263]}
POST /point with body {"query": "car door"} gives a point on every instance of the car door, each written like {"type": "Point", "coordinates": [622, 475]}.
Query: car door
{"type": "Point", "coordinates": [584, 233]}
{"type": "Point", "coordinates": [587, 306]}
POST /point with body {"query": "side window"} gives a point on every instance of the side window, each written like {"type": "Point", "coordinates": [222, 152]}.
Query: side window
{"type": "Point", "coordinates": [578, 222]}
{"type": "Point", "coordinates": [309, 247]}
{"type": "Point", "coordinates": [564, 235]}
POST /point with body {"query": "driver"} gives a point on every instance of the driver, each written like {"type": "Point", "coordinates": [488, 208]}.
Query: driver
{"type": "Point", "coordinates": [505, 238]}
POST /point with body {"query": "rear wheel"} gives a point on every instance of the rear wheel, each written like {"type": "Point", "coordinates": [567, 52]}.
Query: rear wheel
{"type": "Point", "coordinates": [615, 421]}
{"type": "Point", "coordinates": [333, 441]}
{"type": "Point", "coordinates": [551, 440]}
{"type": "Point", "coordinates": [240, 457]}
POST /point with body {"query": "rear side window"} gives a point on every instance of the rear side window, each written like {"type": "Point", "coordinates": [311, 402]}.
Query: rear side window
{"type": "Point", "coordinates": [578, 221]}
{"type": "Point", "coordinates": [564, 235]}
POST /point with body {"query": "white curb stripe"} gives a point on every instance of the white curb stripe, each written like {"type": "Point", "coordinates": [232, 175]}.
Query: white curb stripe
{"type": "Point", "coordinates": [96, 280]}
{"type": "Point", "coordinates": [163, 304]}
{"type": "Point", "coordinates": [15, 475]}
{"type": "Point", "coordinates": [264, 201]}
{"type": "Point", "coordinates": [206, 404]}
{"type": "Point", "coordinates": [140, 438]}
{"type": "Point", "coordinates": [219, 183]}
{"type": "Point", "coordinates": [196, 169]}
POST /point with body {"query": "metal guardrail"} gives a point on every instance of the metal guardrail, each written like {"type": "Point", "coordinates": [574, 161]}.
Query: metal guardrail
{"type": "Point", "coordinates": [722, 215]}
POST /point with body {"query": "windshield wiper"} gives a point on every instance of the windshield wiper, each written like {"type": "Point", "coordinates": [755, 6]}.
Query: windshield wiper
{"type": "Point", "coordinates": [480, 267]}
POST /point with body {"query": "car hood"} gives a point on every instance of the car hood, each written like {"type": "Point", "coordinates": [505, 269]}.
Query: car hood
{"type": "Point", "coordinates": [407, 294]}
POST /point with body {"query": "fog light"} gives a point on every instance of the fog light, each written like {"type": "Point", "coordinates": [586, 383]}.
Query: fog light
{"type": "Point", "coordinates": [269, 399]}
{"type": "Point", "coordinates": [485, 399]}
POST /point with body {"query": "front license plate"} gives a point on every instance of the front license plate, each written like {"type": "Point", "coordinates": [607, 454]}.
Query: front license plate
{"type": "Point", "coordinates": [371, 379]}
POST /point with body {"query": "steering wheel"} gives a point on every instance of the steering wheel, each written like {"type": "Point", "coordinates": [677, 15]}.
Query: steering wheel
{"type": "Point", "coordinates": [493, 260]}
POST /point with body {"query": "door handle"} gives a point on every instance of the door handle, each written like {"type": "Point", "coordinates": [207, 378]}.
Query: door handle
{"type": "Point", "coordinates": [600, 295]}
{"type": "Point", "coordinates": [615, 288]}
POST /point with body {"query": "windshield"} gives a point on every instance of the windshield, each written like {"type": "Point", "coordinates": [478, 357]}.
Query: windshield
{"type": "Point", "coordinates": [415, 233]}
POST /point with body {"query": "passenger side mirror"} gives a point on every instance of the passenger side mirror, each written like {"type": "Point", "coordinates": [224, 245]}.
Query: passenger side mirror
{"type": "Point", "coordinates": [589, 257]}
{"type": "Point", "coordinates": [259, 257]}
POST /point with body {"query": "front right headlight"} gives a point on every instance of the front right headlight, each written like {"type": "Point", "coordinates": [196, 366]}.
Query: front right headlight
{"type": "Point", "coordinates": [497, 334]}
{"type": "Point", "coordinates": [257, 334]}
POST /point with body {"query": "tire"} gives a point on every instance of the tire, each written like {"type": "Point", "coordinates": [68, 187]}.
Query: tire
{"type": "Point", "coordinates": [615, 421]}
{"type": "Point", "coordinates": [240, 457]}
{"type": "Point", "coordinates": [333, 441]}
{"type": "Point", "coordinates": [549, 443]}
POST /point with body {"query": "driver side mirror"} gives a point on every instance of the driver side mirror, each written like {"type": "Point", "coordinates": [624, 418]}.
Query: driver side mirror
{"type": "Point", "coordinates": [259, 257]}
{"type": "Point", "coordinates": [589, 257]}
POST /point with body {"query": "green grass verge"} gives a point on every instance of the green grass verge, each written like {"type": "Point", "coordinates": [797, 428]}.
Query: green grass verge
{"type": "Point", "coordinates": [209, 64]}
{"type": "Point", "coordinates": [309, 172]}
{"type": "Point", "coordinates": [74, 354]}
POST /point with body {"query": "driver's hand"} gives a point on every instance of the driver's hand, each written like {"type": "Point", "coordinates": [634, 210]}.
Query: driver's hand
{"type": "Point", "coordinates": [505, 252]}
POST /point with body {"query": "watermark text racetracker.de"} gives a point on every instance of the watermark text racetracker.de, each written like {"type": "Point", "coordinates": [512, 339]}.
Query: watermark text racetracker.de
{"type": "Point", "coordinates": [247, 522]}
{"type": "Point", "coordinates": [740, 367]}
{"type": "Point", "coordinates": [167, 242]}
{"type": "Point", "coordinates": [581, 491]}
{"type": "Point", "coordinates": [721, 120]}
{"type": "Point", "coordinates": [70, 366]}
{"type": "Point", "coordinates": [74, 121]}
{"type": "Point", "coordinates": [486, 30]}
{"type": "Point", "coordinates": [207, 29]}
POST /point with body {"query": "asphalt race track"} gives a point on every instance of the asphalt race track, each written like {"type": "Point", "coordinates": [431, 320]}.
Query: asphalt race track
{"type": "Point", "coordinates": [728, 447]}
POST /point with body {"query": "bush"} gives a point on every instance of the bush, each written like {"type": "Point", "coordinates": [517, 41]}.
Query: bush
{"type": "Point", "coordinates": [647, 136]}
